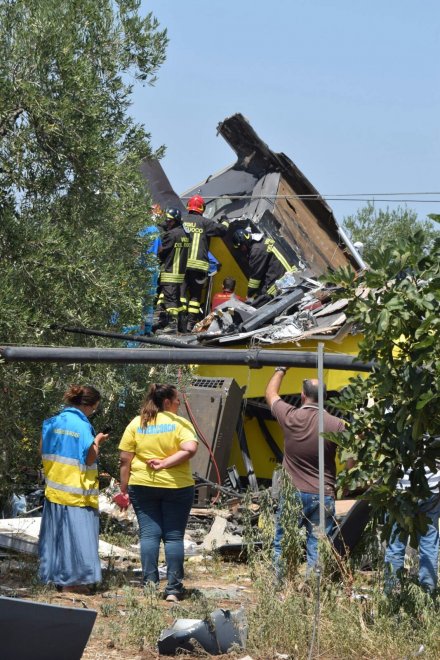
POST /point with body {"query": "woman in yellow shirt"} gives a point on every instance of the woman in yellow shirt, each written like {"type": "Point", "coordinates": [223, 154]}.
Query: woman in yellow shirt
{"type": "Point", "coordinates": [156, 473]}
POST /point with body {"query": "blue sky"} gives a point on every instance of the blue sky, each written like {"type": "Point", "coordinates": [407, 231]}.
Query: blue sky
{"type": "Point", "coordinates": [349, 90]}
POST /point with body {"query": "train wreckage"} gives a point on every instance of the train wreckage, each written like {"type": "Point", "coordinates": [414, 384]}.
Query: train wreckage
{"type": "Point", "coordinates": [265, 192]}
{"type": "Point", "coordinates": [233, 347]}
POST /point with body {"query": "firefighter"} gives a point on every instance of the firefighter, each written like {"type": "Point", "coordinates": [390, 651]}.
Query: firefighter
{"type": "Point", "coordinates": [266, 265]}
{"type": "Point", "coordinates": [173, 257]}
{"type": "Point", "coordinates": [200, 230]}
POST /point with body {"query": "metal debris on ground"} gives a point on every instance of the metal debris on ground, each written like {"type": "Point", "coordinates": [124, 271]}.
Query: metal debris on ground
{"type": "Point", "coordinates": [216, 634]}
{"type": "Point", "coordinates": [305, 312]}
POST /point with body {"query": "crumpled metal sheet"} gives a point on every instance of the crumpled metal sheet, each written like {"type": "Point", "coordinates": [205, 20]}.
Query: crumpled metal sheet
{"type": "Point", "coordinates": [216, 634]}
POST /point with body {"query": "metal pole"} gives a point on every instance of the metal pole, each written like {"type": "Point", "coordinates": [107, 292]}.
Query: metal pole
{"type": "Point", "coordinates": [141, 339]}
{"type": "Point", "coordinates": [352, 249]}
{"type": "Point", "coordinates": [252, 358]}
{"type": "Point", "coordinates": [321, 437]}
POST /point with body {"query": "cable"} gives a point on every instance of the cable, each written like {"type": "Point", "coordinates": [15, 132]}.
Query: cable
{"type": "Point", "coordinates": [341, 197]}
{"type": "Point", "coordinates": [202, 437]}
{"type": "Point", "coordinates": [205, 442]}
{"type": "Point", "coordinates": [362, 194]}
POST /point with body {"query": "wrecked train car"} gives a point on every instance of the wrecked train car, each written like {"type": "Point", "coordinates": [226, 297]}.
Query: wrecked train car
{"type": "Point", "coordinates": [265, 192]}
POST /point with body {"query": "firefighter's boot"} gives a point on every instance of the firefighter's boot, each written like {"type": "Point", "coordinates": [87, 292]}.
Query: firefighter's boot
{"type": "Point", "coordinates": [182, 322]}
{"type": "Point", "coordinates": [160, 320]}
{"type": "Point", "coordinates": [170, 328]}
{"type": "Point", "coordinates": [192, 320]}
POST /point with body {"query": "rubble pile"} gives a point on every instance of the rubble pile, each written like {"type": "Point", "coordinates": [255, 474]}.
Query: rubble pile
{"type": "Point", "coordinates": [303, 309]}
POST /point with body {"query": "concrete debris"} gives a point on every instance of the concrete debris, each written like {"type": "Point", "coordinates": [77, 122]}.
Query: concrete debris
{"type": "Point", "coordinates": [230, 593]}
{"type": "Point", "coordinates": [216, 634]}
{"type": "Point", "coordinates": [218, 535]}
{"type": "Point", "coordinates": [21, 535]}
{"type": "Point", "coordinates": [162, 570]}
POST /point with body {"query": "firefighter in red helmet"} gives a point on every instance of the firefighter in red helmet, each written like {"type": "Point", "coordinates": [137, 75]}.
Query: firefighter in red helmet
{"type": "Point", "coordinates": [196, 204]}
{"type": "Point", "coordinates": [200, 230]}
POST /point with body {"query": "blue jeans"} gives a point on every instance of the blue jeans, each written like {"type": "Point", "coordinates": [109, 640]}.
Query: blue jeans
{"type": "Point", "coordinates": [162, 514]}
{"type": "Point", "coordinates": [428, 549]}
{"type": "Point", "coordinates": [308, 518]}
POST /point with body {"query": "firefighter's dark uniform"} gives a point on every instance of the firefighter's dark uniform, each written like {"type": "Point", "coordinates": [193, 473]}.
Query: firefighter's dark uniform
{"type": "Point", "coordinates": [173, 259]}
{"type": "Point", "coordinates": [266, 265]}
{"type": "Point", "coordinates": [200, 229]}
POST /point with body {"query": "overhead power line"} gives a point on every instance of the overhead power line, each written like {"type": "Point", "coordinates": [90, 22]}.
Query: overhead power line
{"type": "Point", "coordinates": [340, 197]}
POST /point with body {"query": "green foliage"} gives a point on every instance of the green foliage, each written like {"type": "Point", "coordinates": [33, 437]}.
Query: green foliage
{"type": "Point", "coordinates": [258, 530]}
{"type": "Point", "coordinates": [72, 200]}
{"type": "Point", "coordinates": [293, 541]}
{"type": "Point", "coordinates": [145, 617]}
{"type": "Point", "coordinates": [395, 413]}
{"type": "Point", "coordinates": [374, 227]}
{"type": "Point", "coordinates": [360, 624]}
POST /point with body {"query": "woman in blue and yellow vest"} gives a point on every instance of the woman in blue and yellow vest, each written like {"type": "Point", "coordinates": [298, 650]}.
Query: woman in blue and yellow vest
{"type": "Point", "coordinates": [69, 534]}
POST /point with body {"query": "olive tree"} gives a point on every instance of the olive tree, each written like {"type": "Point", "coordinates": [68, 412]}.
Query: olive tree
{"type": "Point", "coordinates": [375, 227]}
{"type": "Point", "coordinates": [72, 199]}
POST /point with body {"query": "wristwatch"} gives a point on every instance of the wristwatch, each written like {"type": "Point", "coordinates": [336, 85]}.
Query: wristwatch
{"type": "Point", "coordinates": [283, 369]}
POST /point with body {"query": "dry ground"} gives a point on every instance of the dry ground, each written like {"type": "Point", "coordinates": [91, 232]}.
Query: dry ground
{"type": "Point", "coordinates": [222, 584]}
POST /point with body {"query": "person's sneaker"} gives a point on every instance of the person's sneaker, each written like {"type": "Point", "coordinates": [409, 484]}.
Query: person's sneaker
{"type": "Point", "coordinates": [172, 598]}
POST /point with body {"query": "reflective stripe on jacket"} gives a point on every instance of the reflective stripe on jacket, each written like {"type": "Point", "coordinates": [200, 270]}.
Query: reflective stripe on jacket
{"type": "Point", "coordinates": [173, 255]}
{"type": "Point", "coordinates": [200, 230]}
{"type": "Point", "coordinates": [266, 265]}
{"type": "Point", "coordinates": [66, 440]}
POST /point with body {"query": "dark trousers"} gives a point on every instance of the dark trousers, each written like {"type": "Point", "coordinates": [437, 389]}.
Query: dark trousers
{"type": "Point", "coordinates": [171, 297]}
{"type": "Point", "coordinates": [428, 549]}
{"type": "Point", "coordinates": [195, 282]}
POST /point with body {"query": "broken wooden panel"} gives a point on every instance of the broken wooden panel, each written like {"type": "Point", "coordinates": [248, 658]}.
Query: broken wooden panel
{"type": "Point", "coordinates": [303, 229]}
{"type": "Point", "coordinates": [264, 187]}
